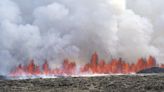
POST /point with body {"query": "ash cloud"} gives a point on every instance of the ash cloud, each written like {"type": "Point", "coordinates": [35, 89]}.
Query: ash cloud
{"type": "Point", "coordinates": [58, 29]}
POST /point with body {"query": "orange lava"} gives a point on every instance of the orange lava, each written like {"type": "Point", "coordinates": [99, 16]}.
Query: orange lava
{"type": "Point", "coordinates": [95, 66]}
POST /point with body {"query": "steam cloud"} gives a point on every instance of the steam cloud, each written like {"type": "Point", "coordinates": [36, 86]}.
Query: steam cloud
{"type": "Point", "coordinates": [58, 29]}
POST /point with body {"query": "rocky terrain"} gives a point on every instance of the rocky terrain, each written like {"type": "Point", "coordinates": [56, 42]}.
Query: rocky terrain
{"type": "Point", "coordinates": [112, 83]}
{"type": "Point", "coordinates": [152, 70]}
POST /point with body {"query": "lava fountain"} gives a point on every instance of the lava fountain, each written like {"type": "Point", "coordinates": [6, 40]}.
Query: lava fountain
{"type": "Point", "coordinates": [95, 66]}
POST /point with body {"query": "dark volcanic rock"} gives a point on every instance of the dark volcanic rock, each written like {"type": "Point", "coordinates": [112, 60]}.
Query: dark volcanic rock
{"type": "Point", "coordinates": [114, 83]}
{"type": "Point", "coordinates": [2, 77]}
{"type": "Point", "coordinates": [152, 70]}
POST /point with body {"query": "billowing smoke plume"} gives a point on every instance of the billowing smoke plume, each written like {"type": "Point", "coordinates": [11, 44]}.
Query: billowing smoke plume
{"type": "Point", "coordinates": [74, 29]}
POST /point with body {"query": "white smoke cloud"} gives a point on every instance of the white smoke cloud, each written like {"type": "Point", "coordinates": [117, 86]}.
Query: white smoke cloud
{"type": "Point", "coordinates": [153, 11]}
{"type": "Point", "coordinates": [135, 36]}
{"type": "Point", "coordinates": [58, 29]}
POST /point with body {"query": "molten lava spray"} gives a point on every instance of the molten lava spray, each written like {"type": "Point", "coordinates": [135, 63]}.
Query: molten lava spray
{"type": "Point", "coordinates": [95, 66]}
{"type": "Point", "coordinates": [54, 30]}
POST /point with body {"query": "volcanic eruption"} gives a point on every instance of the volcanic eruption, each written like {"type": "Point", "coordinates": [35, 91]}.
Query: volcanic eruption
{"type": "Point", "coordinates": [95, 66]}
{"type": "Point", "coordinates": [70, 37]}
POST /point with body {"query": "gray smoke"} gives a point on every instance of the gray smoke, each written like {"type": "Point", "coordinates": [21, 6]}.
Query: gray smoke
{"type": "Point", "coordinates": [74, 29]}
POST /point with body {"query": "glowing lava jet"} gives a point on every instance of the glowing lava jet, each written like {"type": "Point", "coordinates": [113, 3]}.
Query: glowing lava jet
{"type": "Point", "coordinates": [117, 65]}
{"type": "Point", "coordinates": [96, 66]}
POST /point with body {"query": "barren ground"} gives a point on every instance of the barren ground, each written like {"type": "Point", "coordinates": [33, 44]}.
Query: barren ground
{"type": "Point", "coordinates": [117, 83]}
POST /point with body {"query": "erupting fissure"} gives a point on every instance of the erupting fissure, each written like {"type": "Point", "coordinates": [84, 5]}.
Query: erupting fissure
{"type": "Point", "coordinates": [96, 66]}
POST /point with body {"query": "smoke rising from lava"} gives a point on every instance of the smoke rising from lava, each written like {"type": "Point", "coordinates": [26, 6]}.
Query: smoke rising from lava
{"type": "Point", "coordinates": [58, 29]}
